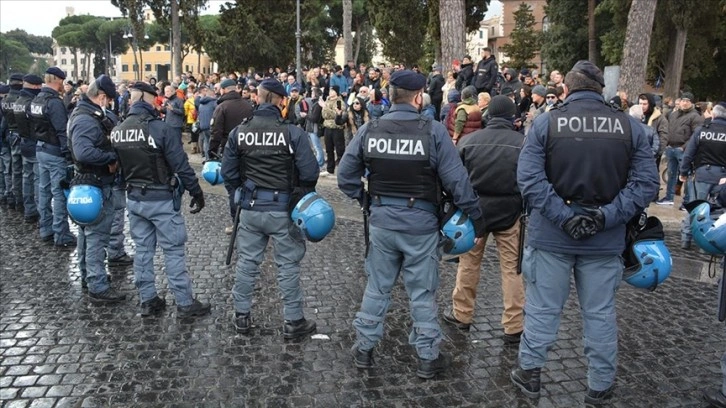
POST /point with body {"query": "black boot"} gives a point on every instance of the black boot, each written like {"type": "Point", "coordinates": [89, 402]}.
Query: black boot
{"type": "Point", "coordinates": [512, 339]}
{"type": "Point", "coordinates": [715, 398]}
{"type": "Point", "coordinates": [527, 380]}
{"type": "Point", "coordinates": [242, 322]}
{"type": "Point", "coordinates": [197, 308]}
{"type": "Point", "coordinates": [599, 397]}
{"type": "Point", "coordinates": [450, 318]}
{"type": "Point", "coordinates": [297, 328]}
{"type": "Point", "coordinates": [153, 306]}
{"type": "Point", "coordinates": [429, 368]}
{"type": "Point", "coordinates": [362, 358]}
{"type": "Point", "coordinates": [108, 296]}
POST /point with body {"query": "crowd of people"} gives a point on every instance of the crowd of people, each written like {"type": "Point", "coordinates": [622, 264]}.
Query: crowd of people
{"type": "Point", "coordinates": [463, 132]}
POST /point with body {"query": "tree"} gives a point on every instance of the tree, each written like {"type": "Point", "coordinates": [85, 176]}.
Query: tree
{"type": "Point", "coordinates": [612, 17]}
{"type": "Point", "coordinates": [347, 34]}
{"type": "Point", "coordinates": [362, 46]}
{"type": "Point", "coordinates": [36, 44]}
{"type": "Point", "coordinates": [637, 44]}
{"type": "Point", "coordinates": [76, 33]}
{"type": "Point", "coordinates": [14, 57]}
{"type": "Point", "coordinates": [524, 40]}
{"type": "Point", "coordinates": [565, 42]}
{"type": "Point", "coordinates": [452, 18]}
{"type": "Point", "coordinates": [398, 27]}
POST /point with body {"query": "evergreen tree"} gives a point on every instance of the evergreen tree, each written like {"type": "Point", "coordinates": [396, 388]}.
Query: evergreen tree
{"type": "Point", "coordinates": [400, 27]}
{"type": "Point", "coordinates": [524, 40]}
{"type": "Point", "coordinates": [565, 42]}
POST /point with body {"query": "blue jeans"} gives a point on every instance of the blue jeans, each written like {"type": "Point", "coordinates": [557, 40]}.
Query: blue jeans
{"type": "Point", "coordinates": [116, 243]}
{"type": "Point", "coordinates": [30, 186]}
{"type": "Point", "coordinates": [205, 136]}
{"type": "Point", "coordinates": [152, 222]}
{"type": "Point", "coordinates": [92, 242]}
{"type": "Point", "coordinates": [254, 231]}
{"type": "Point", "coordinates": [703, 191]}
{"type": "Point", "coordinates": [547, 279]}
{"type": "Point", "coordinates": [416, 259]}
{"type": "Point", "coordinates": [53, 219]}
{"type": "Point", "coordinates": [674, 155]}
{"type": "Point", "coordinates": [16, 167]}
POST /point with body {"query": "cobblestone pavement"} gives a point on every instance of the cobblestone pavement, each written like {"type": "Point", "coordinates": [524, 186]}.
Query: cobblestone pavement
{"type": "Point", "coordinates": [59, 350]}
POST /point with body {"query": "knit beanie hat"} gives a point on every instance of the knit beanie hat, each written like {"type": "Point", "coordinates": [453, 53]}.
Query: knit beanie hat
{"type": "Point", "coordinates": [502, 107]}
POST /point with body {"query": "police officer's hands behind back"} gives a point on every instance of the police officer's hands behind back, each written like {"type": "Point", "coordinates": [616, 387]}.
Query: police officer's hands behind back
{"type": "Point", "coordinates": [583, 226]}
{"type": "Point", "coordinates": [197, 203]}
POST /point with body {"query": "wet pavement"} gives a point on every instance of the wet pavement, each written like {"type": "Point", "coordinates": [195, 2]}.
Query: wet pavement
{"type": "Point", "coordinates": [59, 350]}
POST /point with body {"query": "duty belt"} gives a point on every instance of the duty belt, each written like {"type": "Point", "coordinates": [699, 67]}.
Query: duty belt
{"type": "Point", "coordinates": [144, 187]}
{"type": "Point", "coordinates": [424, 205]}
{"type": "Point", "coordinates": [271, 195]}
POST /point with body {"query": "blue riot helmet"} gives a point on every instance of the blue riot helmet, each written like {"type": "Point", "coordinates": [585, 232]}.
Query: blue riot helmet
{"type": "Point", "coordinates": [212, 172]}
{"type": "Point", "coordinates": [709, 234]}
{"type": "Point", "coordinates": [314, 216]}
{"type": "Point", "coordinates": [647, 259]}
{"type": "Point", "coordinates": [84, 204]}
{"type": "Point", "coordinates": [458, 233]}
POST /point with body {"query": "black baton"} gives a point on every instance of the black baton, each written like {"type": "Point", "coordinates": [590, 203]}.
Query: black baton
{"type": "Point", "coordinates": [233, 238]}
{"type": "Point", "coordinates": [722, 296]}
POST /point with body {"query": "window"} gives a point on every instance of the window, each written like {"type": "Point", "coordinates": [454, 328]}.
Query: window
{"type": "Point", "coordinates": [158, 47]}
{"type": "Point", "coordinates": [186, 68]}
{"type": "Point", "coordinates": [83, 74]}
{"type": "Point", "coordinates": [481, 34]}
{"type": "Point", "coordinates": [64, 61]}
{"type": "Point", "coordinates": [124, 68]}
{"type": "Point", "coordinates": [136, 67]}
{"type": "Point", "coordinates": [166, 48]}
{"type": "Point", "coordinates": [64, 50]}
{"type": "Point", "coordinates": [147, 67]}
{"type": "Point", "coordinates": [83, 61]}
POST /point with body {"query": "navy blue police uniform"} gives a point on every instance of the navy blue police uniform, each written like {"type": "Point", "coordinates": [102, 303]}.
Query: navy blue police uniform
{"type": "Point", "coordinates": [271, 165]}
{"type": "Point", "coordinates": [27, 146]}
{"type": "Point", "coordinates": [156, 171]}
{"type": "Point", "coordinates": [410, 159]}
{"type": "Point", "coordinates": [14, 192]}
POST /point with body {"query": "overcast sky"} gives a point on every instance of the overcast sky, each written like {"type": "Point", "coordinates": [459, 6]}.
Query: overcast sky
{"type": "Point", "coordinates": [42, 16]}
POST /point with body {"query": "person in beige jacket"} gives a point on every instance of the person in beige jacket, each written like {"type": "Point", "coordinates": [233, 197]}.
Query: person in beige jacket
{"type": "Point", "coordinates": [334, 133]}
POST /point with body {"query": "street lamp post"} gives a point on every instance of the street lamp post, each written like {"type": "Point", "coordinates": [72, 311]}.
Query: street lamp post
{"type": "Point", "coordinates": [298, 34]}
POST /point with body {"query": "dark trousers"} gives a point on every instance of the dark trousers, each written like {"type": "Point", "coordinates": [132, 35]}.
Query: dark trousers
{"type": "Point", "coordinates": [334, 146]}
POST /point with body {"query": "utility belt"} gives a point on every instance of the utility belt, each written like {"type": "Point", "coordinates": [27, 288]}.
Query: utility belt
{"type": "Point", "coordinates": [248, 193]}
{"type": "Point", "coordinates": [174, 186]}
{"type": "Point", "coordinates": [378, 200]}
{"type": "Point", "coordinates": [580, 207]}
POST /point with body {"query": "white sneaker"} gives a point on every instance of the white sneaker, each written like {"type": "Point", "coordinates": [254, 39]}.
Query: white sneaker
{"type": "Point", "coordinates": [324, 173]}
{"type": "Point", "coordinates": [229, 230]}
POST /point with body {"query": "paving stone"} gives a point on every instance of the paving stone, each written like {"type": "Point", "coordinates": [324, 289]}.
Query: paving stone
{"type": "Point", "coordinates": [60, 350]}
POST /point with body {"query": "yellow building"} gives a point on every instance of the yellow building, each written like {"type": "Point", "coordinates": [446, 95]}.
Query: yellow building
{"type": "Point", "coordinates": [156, 62]}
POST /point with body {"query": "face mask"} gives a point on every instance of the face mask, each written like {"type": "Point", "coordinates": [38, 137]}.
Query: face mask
{"type": "Point", "coordinates": [550, 102]}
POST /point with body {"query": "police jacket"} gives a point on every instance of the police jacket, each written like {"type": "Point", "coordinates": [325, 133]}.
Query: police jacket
{"type": "Point", "coordinates": [21, 108]}
{"type": "Point", "coordinates": [443, 161]}
{"type": "Point", "coordinates": [274, 156]}
{"type": "Point", "coordinates": [149, 154]}
{"type": "Point", "coordinates": [88, 133]}
{"type": "Point", "coordinates": [490, 156]}
{"type": "Point", "coordinates": [706, 152]}
{"type": "Point", "coordinates": [231, 110]}
{"type": "Point", "coordinates": [486, 74]}
{"type": "Point", "coordinates": [681, 125]}
{"type": "Point", "coordinates": [549, 210]}
{"type": "Point", "coordinates": [7, 105]}
{"type": "Point", "coordinates": [174, 116]}
{"type": "Point", "coordinates": [49, 118]}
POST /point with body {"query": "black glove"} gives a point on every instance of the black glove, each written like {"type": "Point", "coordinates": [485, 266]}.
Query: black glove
{"type": "Point", "coordinates": [297, 194]}
{"type": "Point", "coordinates": [598, 219]}
{"type": "Point", "coordinates": [197, 203]}
{"type": "Point", "coordinates": [578, 227]}
{"type": "Point", "coordinates": [480, 228]}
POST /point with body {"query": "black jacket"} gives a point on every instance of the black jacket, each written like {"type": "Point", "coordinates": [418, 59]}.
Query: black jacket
{"type": "Point", "coordinates": [490, 156]}
{"type": "Point", "coordinates": [463, 79]}
{"type": "Point", "coordinates": [231, 110]}
{"type": "Point", "coordinates": [486, 74]}
{"type": "Point", "coordinates": [435, 91]}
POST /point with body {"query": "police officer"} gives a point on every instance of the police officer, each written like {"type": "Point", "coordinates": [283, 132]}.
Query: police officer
{"type": "Point", "coordinates": [31, 89]}
{"type": "Point", "coordinates": [96, 163]}
{"type": "Point", "coordinates": [271, 165]}
{"type": "Point", "coordinates": [5, 174]}
{"type": "Point", "coordinates": [706, 152]}
{"type": "Point", "coordinates": [48, 117]}
{"type": "Point", "coordinates": [586, 168]}
{"type": "Point", "coordinates": [14, 192]}
{"type": "Point", "coordinates": [410, 159]}
{"type": "Point", "coordinates": [156, 171]}
{"type": "Point", "coordinates": [490, 156]}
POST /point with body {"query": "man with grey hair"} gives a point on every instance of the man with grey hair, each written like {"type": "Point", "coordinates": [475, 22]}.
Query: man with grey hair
{"type": "Point", "coordinates": [706, 153]}
{"type": "Point", "coordinates": [96, 163]}
{"type": "Point", "coordinates": [157, 172]}
{"type": "Point", "coordinates": [584, 172]}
